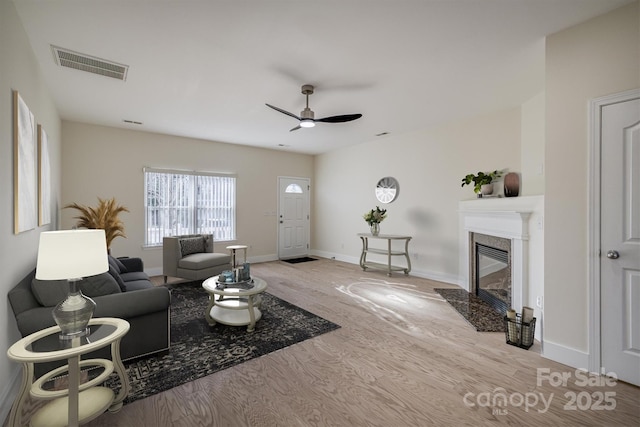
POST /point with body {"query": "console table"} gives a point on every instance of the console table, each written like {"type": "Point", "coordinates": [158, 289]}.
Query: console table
{"type": "Point", "coordinates": [388, 251]}
{"type": "Point", "coordinates": [79, 398]}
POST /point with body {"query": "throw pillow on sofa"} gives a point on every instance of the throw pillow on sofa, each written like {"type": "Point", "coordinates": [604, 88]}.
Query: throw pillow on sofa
{"type": "Point", "coordinates": [116, 276]}
{"type": "Point", "coordinates": [117, 265]}
{"type": "Point", "coordinates": [50, 292]}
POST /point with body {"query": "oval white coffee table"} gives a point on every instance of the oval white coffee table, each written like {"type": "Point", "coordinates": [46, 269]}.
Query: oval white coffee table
{"type": "Point", "coordinates": [235, 304]}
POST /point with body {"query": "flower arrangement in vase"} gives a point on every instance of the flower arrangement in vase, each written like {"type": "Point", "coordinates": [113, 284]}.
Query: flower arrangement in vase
{"type": "Point", "coordinates": [374, 217]}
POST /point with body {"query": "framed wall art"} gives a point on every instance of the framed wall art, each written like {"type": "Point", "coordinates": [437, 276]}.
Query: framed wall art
{"type": "Point", "coordinates": [44, 178]}
{"type": "Point", "coordinates": [24, 166]}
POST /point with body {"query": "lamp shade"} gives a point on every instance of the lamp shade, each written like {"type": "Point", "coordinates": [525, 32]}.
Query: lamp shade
{"type": "Point", "coordinates": [71, 254]}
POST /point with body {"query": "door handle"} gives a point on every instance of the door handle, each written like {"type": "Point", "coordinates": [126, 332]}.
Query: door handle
{"type": "Point", "coordinates": [613, 254]}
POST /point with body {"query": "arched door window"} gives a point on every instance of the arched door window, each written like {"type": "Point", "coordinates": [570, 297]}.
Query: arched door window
{"type": "Point", "coordinates": [293, 188]}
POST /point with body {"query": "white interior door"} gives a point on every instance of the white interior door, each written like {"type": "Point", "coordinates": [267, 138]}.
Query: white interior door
{"type": "Point", "coordinates": [620, 240]}
{"type": "Point", "coordinates": [293, 217]}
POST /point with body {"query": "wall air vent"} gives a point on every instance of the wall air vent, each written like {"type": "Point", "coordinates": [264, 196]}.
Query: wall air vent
{"type": "Point", "coordinates": [90, 64]}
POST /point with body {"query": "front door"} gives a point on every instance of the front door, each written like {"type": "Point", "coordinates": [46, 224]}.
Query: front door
{"type": "Point", "coordinates": [293, 217]}
{"type": "Point", "coordinates": [620, 239]}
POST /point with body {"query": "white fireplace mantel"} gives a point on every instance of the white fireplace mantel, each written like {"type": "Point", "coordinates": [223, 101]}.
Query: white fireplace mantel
{"type": "Point", "coordinates": [508, 224]}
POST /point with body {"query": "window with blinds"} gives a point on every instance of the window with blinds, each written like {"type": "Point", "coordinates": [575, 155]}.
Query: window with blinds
{"type": "Point", "coordinates": [179, 202]}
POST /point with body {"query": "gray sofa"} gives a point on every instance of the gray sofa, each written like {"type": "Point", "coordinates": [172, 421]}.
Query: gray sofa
{"type": "Point", "coordinates": [124, 292]}
{"type": "Point", "coordinates": [192, 257]}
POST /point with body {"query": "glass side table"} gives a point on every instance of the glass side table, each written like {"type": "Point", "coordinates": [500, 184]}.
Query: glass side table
{"type": "Point", "coordinates": [232, 251]}
{"type": "Point", "coordinates": [75, 397]}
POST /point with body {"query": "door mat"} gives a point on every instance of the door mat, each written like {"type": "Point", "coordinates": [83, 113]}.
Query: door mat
{"type": "Point", "coordinates": [298, 260]}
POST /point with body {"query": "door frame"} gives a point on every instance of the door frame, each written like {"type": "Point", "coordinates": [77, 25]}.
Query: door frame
{"type": "Point", "coordinates": [307, 207]}
{"type": "Point", "coordinates": [593, 220]}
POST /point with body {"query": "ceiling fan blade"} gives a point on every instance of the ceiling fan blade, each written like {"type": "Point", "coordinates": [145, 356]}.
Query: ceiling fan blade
{"type": "Point", "coordinates": [340, 119]}
{"type": "Point", "coordinates": [295, 128]}
{"type": "Point", "coordinates": [283, 111]}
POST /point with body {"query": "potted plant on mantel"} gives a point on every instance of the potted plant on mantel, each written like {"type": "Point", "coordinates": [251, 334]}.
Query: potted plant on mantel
{"type": "Point", "coordinates": [482, 182]}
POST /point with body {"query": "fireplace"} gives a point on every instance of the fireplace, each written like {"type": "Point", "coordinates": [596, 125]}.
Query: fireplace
{"type": "Point", "coordinates": [496, 232]}
{"type": "Point", "coordinates": [491, 270]}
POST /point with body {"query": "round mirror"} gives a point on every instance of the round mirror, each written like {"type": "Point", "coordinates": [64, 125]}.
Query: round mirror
{"type": "Point", "coordinates": [387, 189]}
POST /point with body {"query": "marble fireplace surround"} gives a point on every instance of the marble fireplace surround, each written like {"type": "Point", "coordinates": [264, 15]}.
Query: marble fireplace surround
{"type": "Point", "coordinates": [507, 224]}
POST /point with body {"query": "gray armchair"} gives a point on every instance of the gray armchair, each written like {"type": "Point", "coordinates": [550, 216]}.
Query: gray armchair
{"type": "Point", "coordinates": [192, 257]}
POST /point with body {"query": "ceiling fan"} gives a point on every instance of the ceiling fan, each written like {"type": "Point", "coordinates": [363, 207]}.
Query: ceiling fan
{"type": "Point", "coordinates": [306, 117]}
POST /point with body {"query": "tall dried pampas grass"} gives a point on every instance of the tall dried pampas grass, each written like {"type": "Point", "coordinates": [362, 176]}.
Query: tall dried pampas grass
{"type": "Point", "coordinates": [104, 216]}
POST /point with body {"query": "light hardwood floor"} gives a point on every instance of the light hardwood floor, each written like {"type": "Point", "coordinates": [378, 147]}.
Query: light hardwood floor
{"type": "Point", "coordinates": [403, 357]}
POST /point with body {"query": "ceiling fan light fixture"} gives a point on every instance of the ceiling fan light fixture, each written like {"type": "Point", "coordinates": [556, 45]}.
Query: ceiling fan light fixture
{"type": "Point", "coordinates": [307, 116]}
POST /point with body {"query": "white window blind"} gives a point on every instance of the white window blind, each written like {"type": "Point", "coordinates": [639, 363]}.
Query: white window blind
{"type": "Point", "coordinates": [178, 202]}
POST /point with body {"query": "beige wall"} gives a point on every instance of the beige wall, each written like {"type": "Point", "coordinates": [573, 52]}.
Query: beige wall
{"type": "Point", "coordinates": [532, 137]}
{"type": "Point", "coordinates": [592, 59]}
{"type": "Point", "coordinates": [19, 71]}
{"type": "Point", "coordinates": [429, 166]}
{"type": "Point", "coordinates": [108, 162]}
{"type": "Point", "coordinates": [596, 58]}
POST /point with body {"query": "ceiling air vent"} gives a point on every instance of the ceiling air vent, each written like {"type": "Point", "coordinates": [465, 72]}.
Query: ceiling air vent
{"type": "Point", "coordinates": [90, 64]}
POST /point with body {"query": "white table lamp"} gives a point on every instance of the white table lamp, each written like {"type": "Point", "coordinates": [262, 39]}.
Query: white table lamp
{"type": "Point", "coordinates": [71, 255]}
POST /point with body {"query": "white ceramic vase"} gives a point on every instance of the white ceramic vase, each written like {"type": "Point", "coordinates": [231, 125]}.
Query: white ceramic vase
{"type": "Point", "coordinates": [486, 189]}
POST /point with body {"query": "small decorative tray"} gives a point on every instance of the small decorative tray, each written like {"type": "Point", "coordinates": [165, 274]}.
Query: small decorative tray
{"type": "Point", "coordinates": [243, 284]}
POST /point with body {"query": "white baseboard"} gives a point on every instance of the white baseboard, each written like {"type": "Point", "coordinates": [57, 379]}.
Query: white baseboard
{"type": "Point", "coordinates": [431, 275]}
{"type": "Point", "coordinates": [439, 277]}
{"type": "Point", "coordinates": [262, 258]}
{"type": "Point", "coordinates": [156, 271]}
{"type": "Point", "coordinates": [565, 355]}
{"type": "Point", "coordinates": [8, 395]}
{"type": "Point", "coordinates": [337, 257]}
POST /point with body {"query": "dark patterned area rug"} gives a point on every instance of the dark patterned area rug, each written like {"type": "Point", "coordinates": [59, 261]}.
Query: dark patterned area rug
{"type": "Point", "coordinates": [198, 350]}
{"type": "Point", "coordinates": [478, 313]}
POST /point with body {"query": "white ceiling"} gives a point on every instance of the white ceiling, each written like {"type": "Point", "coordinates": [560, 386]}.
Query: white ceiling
{"type": "Point", "coordinates": [205, 69]}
